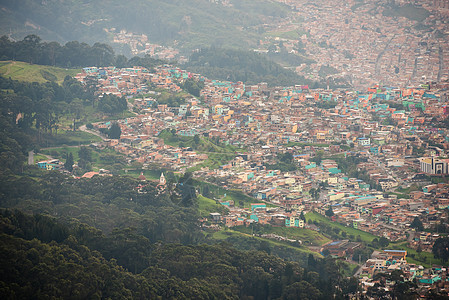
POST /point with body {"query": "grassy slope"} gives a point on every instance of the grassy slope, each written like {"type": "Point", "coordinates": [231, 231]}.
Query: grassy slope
{"type": "Point", "coordinates": [33, 73]}
{"type": "Point", "coordinates": [207, 206]}
{"type": "Point", "coordinates": [70, 138]}
{"type": "Point", "coordinates": [193, 23]}
{"type": "Point", "coordinates": [232, 195]}
{"type": "Point", "coordinates": [307, 236]}
{"type": "Point", "coordinates": [224, 234]}
{"type": "Point", "coordinates": [366, 237]}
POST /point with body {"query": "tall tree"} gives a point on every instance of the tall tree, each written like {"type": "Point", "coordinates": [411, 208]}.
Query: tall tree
{"type": "Point", "coordinates": [417, 224]}
{"type": "Point", "coordinates": [329, 212]}
{"type": "Point", "coordinates": [68, 165]}
{"type": "Point", "coordinates": [114, 132]}
{"type": "Point", "coordinates": [441, 248]}
{"type": "Point", "coordinates": [85, 153]}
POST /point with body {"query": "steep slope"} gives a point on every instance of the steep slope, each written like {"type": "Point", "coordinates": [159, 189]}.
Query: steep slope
{"type": "Point", "coordinates": [191, 23]}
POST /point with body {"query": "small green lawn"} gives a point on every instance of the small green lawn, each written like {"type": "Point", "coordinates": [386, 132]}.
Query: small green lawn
{"type": "Point", "coordinates": [291, 35]}
{"type": "Point", "coordinates": [347, 267]}
{"type": "Point", "coordinates": [39, 157]}
{"type": "Point", "coordinates": [149, 174]}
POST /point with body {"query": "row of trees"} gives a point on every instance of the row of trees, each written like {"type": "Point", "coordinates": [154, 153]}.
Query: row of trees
{"type": "Point", "coordinates": [73, 54]}
{"type": "Point", "coordinates": [41, 105]}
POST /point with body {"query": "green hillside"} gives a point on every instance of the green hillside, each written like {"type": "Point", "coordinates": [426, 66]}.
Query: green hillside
{"type": "Point", "coordinates": [34, 73]}
{"type": "Point", "coordinates": [191, 23]}
{"type": "Point", "coordinates": [240, 65]}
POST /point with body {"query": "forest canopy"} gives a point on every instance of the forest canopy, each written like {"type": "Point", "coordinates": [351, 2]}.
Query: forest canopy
{"type": "Point", "coordinates": [237, 65]}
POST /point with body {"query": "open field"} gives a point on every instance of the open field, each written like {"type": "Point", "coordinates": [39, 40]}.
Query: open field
{"type": "Point", "coordinates": [307, 236]}
{"type": "Point", "coordinates": [101, 159]}
{"type": "Point", "coordinates": [22, 71]}
{"type": "Point", "coordinates": [364, 236]}
{"type": "Point", "coordinates": [70, 138]}
{"type": "Point", "coordinates": [227, 233]}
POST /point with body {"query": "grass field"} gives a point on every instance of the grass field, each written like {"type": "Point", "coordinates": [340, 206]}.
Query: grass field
{"type": "Point", "coordinates": [149, 174]}
{"type": "Point", "coordinates": [408, 11]}
{"type": "Point", "coordinates": [103, 159]}
{"type": "Point", "coordinates": [34, 73]}
{"type": "Point", "coordinates": [364, 236]}
{"type": "Point", "coordinates": [307, 236]}
{"type": "Point", "coordinates": [90, 115]}
{"type": "Point", "coordinates": [225, 234]}
{"type": "Point", "coordinates": [70, 138]}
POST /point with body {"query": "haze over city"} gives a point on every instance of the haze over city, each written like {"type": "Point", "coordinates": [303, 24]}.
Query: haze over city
{"type": "Point", "coordinates": [204, 149]}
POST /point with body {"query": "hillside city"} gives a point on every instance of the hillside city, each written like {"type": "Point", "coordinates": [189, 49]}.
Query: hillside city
{"type": "Point", "coordinates": [372, 160]}
{"type": "Point", "coordinates": [356, 170]}
{"type": "Point", "coordinates": [353, 42]}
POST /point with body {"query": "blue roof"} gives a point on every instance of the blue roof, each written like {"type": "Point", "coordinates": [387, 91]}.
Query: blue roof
{"type": "Point", "coordinates": [335, 243]}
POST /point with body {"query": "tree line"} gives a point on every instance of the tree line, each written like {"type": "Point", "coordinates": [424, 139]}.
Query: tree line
{"type": "Point", "coordinates": [71, 55]}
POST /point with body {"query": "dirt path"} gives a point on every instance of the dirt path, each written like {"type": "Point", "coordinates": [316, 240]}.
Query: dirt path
{"type": "Point", "coordinates": [9, 68]}
{"type": "Point", "coordinates": [84, 128]}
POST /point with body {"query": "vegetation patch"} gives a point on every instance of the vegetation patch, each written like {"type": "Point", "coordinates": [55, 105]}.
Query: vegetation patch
{"type": "Point", "coordinates": [408, 11]}
{"type": "Point", "coordinates": [238, 65]}
{"type": "Point", "coordinates": [349, 233]}
{"type": "Point", "coordinates": [245, 241]}
{"type": "Point", "coordinates": [291, 35]}
{"type": "Point", "coordinates": [426, 259]}
{"type": "Point", "coordinates": [71, 138]}
{"type": "Point", "coordinates": [22, 71]}
{"type": "Point", "coordinates": [306, 236]}
{"type": "Point", "coordinates": [207, 206]}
